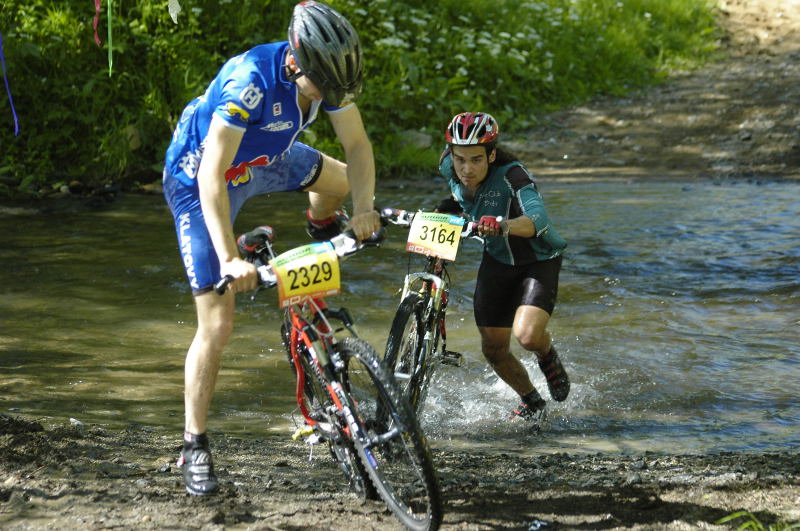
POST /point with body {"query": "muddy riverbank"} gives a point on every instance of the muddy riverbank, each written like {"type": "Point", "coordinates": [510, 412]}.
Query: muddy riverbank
{"type": "Point", "coordinates": [71, 476]}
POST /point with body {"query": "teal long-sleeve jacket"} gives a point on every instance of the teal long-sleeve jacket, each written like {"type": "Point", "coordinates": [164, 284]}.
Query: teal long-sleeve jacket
{"type": "Point", "coordinates": [508, 191]}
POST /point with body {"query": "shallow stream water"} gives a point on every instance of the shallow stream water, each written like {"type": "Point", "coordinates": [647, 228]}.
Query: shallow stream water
{"type": "Point", "coordinates": [677, 319]}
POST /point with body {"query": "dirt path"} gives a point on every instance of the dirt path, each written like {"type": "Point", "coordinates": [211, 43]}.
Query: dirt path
{"type": "Point", "coordinates": [737, 118]}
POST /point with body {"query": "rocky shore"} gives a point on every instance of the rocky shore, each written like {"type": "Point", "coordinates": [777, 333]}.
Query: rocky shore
{"type": "Point", "coordinates": [72, 476]}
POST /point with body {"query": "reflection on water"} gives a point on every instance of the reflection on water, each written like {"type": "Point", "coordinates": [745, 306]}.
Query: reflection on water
{"type": "Point", "coordinates": [677, 318]}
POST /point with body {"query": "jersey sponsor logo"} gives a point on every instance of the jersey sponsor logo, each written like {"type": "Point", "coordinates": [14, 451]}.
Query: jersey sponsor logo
{"type": "Point", "coordinates": [277, 109]}
{"type": "Point", "coordinates": [231, 109]}
{"type": "Point", "coordinates": [309, 176]}
{"type": "Point", "coordinates": [189, 110]}
{"type": "Point", "coordinates": [186, 249]}
{"type": "Point", "coordinates": [251, 96]}
{"type": "Point", "coordinates": [274, 127]}
{"type": "Point", "coordinates": [240, 173]}
{"type": "Point", "coordinates": [190, 162]}
{"type": "Point", "coordinates": [488, 198]}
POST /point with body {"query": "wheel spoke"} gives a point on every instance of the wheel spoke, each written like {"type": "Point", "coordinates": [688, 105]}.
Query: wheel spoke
{"type": "Point", "coordinates": [394, 450]}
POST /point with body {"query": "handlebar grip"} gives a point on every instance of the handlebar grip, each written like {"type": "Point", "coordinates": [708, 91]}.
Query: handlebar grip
{"type": "Point", "coordinates": [222, 286]}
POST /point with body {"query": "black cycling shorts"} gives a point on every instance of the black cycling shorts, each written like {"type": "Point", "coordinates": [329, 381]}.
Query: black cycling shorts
{"type": "Point", "coordinates": [502, 288]}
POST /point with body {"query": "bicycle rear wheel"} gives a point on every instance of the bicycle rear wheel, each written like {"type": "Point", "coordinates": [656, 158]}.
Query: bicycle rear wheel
{"type": "Point", "coordinates": [403, 348]}
{"type": "Point", "coordinates": [391, 444]}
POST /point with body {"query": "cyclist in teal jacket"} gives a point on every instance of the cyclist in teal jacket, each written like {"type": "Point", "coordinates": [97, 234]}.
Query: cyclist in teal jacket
{"type": "Point", "coordinates": [517, 281]}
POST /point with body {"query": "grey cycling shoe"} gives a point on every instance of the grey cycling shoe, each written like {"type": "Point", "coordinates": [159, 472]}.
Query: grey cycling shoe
{"type": "Point", "coordinates": [557, 379]}
{"type": "Point", "coordinates": [198, 471]}
{"type": "Point", "coordinates": [322, 230]}
{"type": "Point", "coordinates": [531, 407]}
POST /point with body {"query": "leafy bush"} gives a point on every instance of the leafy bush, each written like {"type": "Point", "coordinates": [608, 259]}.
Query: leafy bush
{"type": "Point", "coordinates": [425, 62]}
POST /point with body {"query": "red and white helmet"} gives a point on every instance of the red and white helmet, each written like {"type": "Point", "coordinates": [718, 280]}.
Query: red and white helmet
{"type": "Point", "coordinates": [472, 129]}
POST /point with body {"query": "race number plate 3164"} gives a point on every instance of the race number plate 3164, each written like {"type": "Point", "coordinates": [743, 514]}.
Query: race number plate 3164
{"type": "Point", "coordinates": [305, 272]}
{"type": "Point", "coordinates": [434, 234]}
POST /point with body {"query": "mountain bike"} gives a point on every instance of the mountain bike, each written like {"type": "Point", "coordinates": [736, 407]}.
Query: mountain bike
{"type": "Point", "coordinates": [417, 342]}
{"type": "Point", "coordinates": [347, 399]}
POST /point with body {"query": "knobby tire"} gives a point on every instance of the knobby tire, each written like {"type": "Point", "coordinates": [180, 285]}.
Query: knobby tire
{"type": "Point", "coordinates": [404, 349]}
{"type": "Point", "coordinates": [392, 446]}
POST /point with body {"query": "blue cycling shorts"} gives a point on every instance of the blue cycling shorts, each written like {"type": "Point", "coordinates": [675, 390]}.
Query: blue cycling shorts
{"type": "Point", "coordinates": [296, 170]}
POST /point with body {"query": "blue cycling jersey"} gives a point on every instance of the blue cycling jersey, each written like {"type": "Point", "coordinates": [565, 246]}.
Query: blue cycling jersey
{"type": "Point", "coordinates": [250, 93]}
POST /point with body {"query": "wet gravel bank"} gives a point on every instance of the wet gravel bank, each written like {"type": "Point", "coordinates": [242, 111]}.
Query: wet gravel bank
{"type": "Point", "coordinates": [68, 476]}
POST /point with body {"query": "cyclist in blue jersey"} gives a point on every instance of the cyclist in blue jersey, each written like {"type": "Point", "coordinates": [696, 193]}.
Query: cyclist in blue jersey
{"type": "Point", "coordinates": [517, 280]}
{"type": "Point", "coordinates": [238, 140]}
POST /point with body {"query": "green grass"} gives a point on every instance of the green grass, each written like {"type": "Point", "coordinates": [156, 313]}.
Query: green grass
{"type": "Point", "coordinates": [425, 61]}
{"type": "Point", "coordinates": [751, 522]}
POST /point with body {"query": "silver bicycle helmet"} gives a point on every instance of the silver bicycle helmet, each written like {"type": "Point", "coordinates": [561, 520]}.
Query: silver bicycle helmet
{"type": "Point", "coordinates": [327, 49]}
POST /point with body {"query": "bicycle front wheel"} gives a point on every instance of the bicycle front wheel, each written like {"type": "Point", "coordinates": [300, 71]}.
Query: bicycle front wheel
{"type": "Point", "coordinates": [319, 405]}
{"type": "Point", "coordinates": [404, 346]}
{"type": "Point", "coordinates": [391, 444]}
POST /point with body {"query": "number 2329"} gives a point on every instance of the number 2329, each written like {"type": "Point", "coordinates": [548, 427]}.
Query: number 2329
{"type": "Point", "coordinates": [303, 276]}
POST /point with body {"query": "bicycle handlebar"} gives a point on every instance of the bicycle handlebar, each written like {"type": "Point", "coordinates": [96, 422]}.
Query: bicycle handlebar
{"type": "Point", "coordinates": [404, 218]}
{"type": "Point", "coordinates": [258, 242]}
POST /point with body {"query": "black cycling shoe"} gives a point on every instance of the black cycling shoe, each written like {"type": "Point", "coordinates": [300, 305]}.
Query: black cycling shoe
{"type": "Point", "coordinates": [322, 230]}
{"type": "Point", "coordinates": [557, 379]}
{"type": "Point", "coordinates": [531, 407]}
{"type": "Point", "coordinates": [198, 471]}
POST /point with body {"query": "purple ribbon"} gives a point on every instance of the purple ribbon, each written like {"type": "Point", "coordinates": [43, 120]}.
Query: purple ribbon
{"type": "Point", "coordinates": [8, 89]}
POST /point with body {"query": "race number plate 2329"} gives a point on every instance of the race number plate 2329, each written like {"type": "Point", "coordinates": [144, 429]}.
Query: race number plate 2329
{"type": "Point", "coordinates": [308, 271]}
{"type": "Point", "coordinates": [434, 234]}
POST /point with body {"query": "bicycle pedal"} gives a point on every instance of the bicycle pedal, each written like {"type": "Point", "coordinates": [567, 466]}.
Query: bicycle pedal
{"type": "Point", "coordinates": [313, 439]}
{"type": "Point", "coordinates": [450, 357]}
{"type": "Point", "coordinates": [302, 432]}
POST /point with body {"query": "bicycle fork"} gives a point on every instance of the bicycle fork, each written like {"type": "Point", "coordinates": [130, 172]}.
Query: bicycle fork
{"type": "Point", "coordinates": [437, 310]}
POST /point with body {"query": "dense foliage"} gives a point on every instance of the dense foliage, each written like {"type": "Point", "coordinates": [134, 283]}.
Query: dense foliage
{"type": "Point", "coordinates": [425, 62]}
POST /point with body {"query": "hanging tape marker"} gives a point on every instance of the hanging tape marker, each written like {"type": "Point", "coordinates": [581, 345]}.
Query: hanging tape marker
{"type": "Point", "coordinates": [96, 20]}
{"type": "Point", "coordinates": [8, 89]}
{"type": "Point", "coordinates": [110, 42]}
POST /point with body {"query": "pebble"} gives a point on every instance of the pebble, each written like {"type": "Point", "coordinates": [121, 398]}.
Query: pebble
{"type": "Point", "coordinates": [633, 478]}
